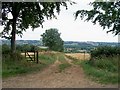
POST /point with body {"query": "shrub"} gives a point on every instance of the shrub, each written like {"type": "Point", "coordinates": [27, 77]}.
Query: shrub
{"type": "Point", "coordinates": [17, 56]}
{"type": "Point", "coordinates": [105, 58]}
{"type": "Point", "coordinates": [27, 47]}
{"type": "Point", "coordinates": [5, 49]}
{"type": "Point", "coordinates": [105, 51]}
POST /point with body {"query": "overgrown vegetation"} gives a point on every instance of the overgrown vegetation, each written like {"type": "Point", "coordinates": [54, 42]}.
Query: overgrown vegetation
{"type": "Point", "coordinates": [103, 66]}
{"type": "Point", "coordinates": [27, 47]}
{"type": "Point", "coordinates": [12, 67]}
{"type": "Point", "coordinates": [61, 57]}
{"type": "Point", "coordinates": [100, 75]}
{"type": "Point", "coordinates": [47, 58]}
{"type": "Point", "coordinates": [106, 58]}
{"type": "Point", "coordinates": [105, 51]}
{"type": "Point", "coordinates": [63, 66]}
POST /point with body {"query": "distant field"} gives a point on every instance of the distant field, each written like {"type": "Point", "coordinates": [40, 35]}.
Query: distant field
{"type": "Point", "coordinates": [80, 56]}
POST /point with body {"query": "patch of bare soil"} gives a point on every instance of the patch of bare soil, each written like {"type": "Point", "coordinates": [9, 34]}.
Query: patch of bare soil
{"type": "Point", "coordinates": [72, 77]}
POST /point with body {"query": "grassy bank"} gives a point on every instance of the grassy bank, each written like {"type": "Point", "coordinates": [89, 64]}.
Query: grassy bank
{"type": "Point", "coordinates": [13, 68]}
{"type": "Point", "coordinates": [99, 75]}
{"type": "Point", "coordinates": [103, 70]}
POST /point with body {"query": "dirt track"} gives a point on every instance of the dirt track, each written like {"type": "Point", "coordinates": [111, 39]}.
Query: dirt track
{"type": "Point", "coordinates": [72, 77]}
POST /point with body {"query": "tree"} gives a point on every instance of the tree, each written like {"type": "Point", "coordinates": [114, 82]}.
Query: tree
{"type": "Point", "coordinates": [25, 14]}
{"type": "Point", "coordinates": [51, 38]}
{"type": "Point", "coordinates": [107, 14]}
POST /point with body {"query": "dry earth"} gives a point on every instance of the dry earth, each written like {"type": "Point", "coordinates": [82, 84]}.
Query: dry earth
{"type": "Point", "coordinates": [50, 77]}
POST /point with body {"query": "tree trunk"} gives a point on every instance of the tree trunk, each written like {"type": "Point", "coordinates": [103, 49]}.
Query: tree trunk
{"type": "Point", "coordinates": [13, 38]}
{"type": "Point", "coordinates": [13, 33]}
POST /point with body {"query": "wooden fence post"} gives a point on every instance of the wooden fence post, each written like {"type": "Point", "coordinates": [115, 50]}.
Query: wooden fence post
{"type": "Point", "coordinates": [34, 55]}
{"type": "Point", "coordinates": [37, 56]}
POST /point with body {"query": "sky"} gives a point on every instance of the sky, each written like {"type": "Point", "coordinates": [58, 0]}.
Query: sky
{"type": "Point", "coordinates": [71, 29]}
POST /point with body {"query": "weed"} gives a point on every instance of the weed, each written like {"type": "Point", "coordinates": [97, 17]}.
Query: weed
{"type": "Point", "coordinates": [14, 67]}
{"type": "Point", "coordinates": [103, 70]}
{"type": "Point", "coordinates": [101, 75]}
{"type": "Point", "coordinates": [63, 66]}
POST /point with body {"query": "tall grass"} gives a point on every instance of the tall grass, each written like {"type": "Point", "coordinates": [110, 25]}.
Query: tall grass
{"type": "Point", "coordinates": [15, 67]}
{"type": "Point", "coordinates": [107, 63]}
{"type": "Point", "coordinates": [61, 57]}
{"type": "Point", "coordinates": [104, 64]}
{"type": "Point", "coordinates": [106, 75]}
{"type": "Point", "coordinates": [48, 58]}
{"type": "Point", "coordinates": [101, 69]}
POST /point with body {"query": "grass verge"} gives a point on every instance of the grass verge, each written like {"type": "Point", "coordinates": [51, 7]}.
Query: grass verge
{"type": "Point", "coordinates": [13, 68]}
{"type": "Point", "coordinates": [99, 75]}
{"type": "Point", "coordinates": [104, 70]}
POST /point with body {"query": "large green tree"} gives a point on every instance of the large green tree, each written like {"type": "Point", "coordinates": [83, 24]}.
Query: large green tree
{"type": "Point", "coordinates": [107, 14]}
{"type": "Point", "coordinates": [25, 14]}
{"type": "Point", "coordinates": [52, 39]}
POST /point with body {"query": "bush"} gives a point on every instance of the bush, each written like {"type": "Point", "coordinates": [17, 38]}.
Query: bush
{"type": "Point", "coordinates": [17, 56]}
{"type": "Point", "coordinates": [105, 58]}
{"type": "Point", "coordinates": [106, 63]}
{"type": "Point", "coordinates": [27, 47]}
{"type": "Point", "coordinates": [5, 49]}
{"type": "Point", "coordinates": [105, 51]}
{"type": "Point", "coordinates": [100, 75]}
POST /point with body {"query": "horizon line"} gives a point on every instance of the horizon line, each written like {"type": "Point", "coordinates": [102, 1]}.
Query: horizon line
{"type": "Point", "coordinates": [71, 41]}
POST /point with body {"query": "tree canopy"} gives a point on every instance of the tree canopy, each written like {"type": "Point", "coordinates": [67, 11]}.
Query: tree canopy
{"type": "Point", "coordinates": [52, 39]}
{"type": "Point", "coordinates": [25, 14]}
{"type": "Point", "coordinates": [107, 14]}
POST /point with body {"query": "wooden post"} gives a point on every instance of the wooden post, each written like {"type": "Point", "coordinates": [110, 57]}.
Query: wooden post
{"type": "Point", "coordinates": [37, 56]}
{"type": "Point", "coordinates": [34, 55]}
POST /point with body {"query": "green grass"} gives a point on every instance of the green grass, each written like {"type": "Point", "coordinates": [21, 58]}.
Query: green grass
{"type": "Point", "coordinates": [103, 70]}
{"type": "Point", "coordinates": [74, 60]}
{"type": "Point", "coordinates": [47, 58]}
{"type": "Point", "coordinates": [63, 66]}
{"type": "Point", "coordinates": [99, 75]}
{"type": "Point", "coordinates": [61, 57]}
{"type": "Point", "coordinates": [106, 63]}
{"type": "Point", "coordinates": [13, 68]}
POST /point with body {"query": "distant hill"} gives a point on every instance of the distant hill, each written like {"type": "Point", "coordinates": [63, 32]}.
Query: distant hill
{"type": "Point", "coordinates": [68, 45]}
{"type": "Point", "coordinates": [71, 46]}
{"type": "Point", "coordinates": [71, 43]}
{"type": "Point", "coordinates": [21, 42]}
{"type": "Point", "coordinates": [88, 43]}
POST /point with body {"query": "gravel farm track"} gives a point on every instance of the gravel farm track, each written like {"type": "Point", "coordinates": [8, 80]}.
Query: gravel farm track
{"type": "Point", "coordinates": [50, 77]}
